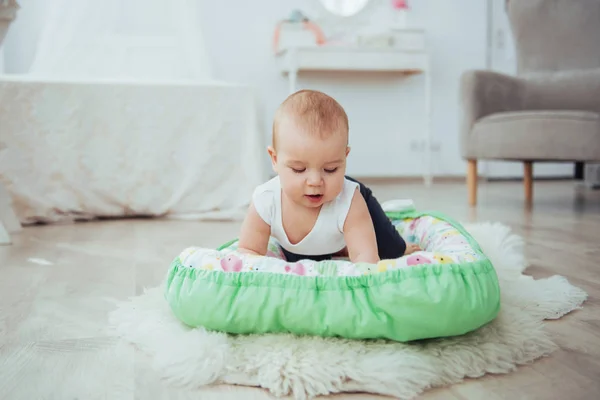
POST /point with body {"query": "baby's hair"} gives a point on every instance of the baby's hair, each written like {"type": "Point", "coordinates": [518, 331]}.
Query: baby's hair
{"type": "Point", "coordinates": [314, 112]}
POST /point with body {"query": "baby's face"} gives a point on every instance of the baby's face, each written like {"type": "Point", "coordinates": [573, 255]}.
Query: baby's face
{"type": "Point", "coordinates": [311, 169]}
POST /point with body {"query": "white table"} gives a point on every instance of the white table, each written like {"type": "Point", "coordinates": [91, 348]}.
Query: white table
{"type": "Point", "coordinates": [408, 57]}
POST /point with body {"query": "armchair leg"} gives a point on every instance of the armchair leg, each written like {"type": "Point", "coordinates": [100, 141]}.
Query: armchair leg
{"type": "Point", "coordinates": [472, 182]}
{"type": "Point", "coordinates": [528, 182]}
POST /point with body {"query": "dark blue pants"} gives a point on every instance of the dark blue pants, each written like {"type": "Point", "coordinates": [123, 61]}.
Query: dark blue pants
{"type": "Point", "coordinates": [389, 242]}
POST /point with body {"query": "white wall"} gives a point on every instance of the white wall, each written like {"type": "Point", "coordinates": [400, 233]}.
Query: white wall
{"type": "Point", "coordinates": [385, 111]}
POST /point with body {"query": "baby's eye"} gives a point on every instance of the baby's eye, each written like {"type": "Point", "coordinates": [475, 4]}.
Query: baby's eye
{"type": "Point", "coordinates": [331, 171]}
{"type": "Point", "coordinates": [298, 171]}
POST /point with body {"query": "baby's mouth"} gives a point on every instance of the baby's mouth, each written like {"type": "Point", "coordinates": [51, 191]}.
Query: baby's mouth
{"type": "Point", "coordinates": [314, 197]}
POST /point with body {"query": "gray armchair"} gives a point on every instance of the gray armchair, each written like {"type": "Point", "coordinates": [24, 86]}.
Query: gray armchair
{"type": "Point", "coordinates": [550, 111]}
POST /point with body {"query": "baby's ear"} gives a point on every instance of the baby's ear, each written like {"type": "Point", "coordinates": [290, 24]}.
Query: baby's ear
{"type": "Point", "coordinates": [347, 150]}
{"type": "Point", "coordinates": [273, 155]}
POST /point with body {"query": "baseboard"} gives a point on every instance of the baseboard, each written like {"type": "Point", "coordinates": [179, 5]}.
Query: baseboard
{"type": "Point", "coordinates": [381, 180]}
{"type": "Point", "coordinates": [535, 178]}
{"type": "Point", "coordinates": [404, 179]}
{"type": "Point", "coordinates": [453, 179]}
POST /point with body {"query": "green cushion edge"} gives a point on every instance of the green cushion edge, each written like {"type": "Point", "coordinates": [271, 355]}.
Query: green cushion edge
{"type": "Point", "coordinates": [179, 272]}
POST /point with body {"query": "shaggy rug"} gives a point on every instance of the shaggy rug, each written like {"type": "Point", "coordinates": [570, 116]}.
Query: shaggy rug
{"type": "Point", "coordinates": [305, 367]}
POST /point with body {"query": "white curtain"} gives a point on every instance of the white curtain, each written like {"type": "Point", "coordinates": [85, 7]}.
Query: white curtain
{"type": "Point", "coordinates": [122, 39]}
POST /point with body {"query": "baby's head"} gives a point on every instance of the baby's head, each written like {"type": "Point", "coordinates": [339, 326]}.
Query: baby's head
{"type": "Point", "coordinates": [310, 146]}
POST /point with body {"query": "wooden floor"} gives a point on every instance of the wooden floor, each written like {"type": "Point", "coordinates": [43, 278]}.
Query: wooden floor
{"type": "Point", "coordinates": [57, 282]}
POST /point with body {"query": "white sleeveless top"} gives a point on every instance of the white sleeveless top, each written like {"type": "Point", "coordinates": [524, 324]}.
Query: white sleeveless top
{"type": "Point", "coordinates": [326, 237]}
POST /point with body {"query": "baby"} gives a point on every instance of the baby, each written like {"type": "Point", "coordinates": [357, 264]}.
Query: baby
{"type": "Point", "coordinates": [312, 209]}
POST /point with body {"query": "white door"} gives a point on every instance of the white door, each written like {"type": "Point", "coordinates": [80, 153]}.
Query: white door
{"type": "Point", "coordinates": [503, 59]}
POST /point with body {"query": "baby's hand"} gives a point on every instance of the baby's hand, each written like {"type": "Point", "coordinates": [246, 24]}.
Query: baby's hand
{"type": "Point", "coordinates": [249, 252]}
{"type": "Point", "coordinates": [411, 248]}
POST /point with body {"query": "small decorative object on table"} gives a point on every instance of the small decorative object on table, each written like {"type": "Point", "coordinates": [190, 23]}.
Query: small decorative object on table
{"type": "Point", "coordinates": [401, 13]}
{"type": "Point", "coordinates": [297, 30]}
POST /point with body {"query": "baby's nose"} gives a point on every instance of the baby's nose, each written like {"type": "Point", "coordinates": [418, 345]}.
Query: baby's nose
{"type": "Point", "coordinates": [313, 179]}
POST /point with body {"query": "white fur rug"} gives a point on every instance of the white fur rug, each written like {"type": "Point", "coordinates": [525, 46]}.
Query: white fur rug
{"type": "Point", "coordinates": [305, 367]}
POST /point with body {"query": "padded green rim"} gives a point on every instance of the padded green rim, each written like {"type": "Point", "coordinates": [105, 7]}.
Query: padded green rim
{"type": "Point", "coordinates": [457, 299]}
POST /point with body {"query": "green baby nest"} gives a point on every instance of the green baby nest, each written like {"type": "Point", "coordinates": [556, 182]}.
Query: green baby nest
{"type": "Point", "coordinates": [448, 289]}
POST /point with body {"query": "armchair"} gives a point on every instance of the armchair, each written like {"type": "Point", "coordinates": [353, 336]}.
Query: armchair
{"type": "Point", "coordinates": [550, 111]}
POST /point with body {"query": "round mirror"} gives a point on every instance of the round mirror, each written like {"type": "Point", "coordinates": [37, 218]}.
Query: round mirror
{"type": "Point", "coordinates": [344, 8]}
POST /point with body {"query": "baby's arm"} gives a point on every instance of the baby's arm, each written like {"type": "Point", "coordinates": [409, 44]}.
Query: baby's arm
{"type": "Point", "coordinates": [255, 233]}
{"type": "Point", "coordinates": [359, 232]}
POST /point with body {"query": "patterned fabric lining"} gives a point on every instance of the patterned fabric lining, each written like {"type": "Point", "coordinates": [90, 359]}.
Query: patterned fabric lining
{"type": "Point", "coordinates": [442, 244]}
